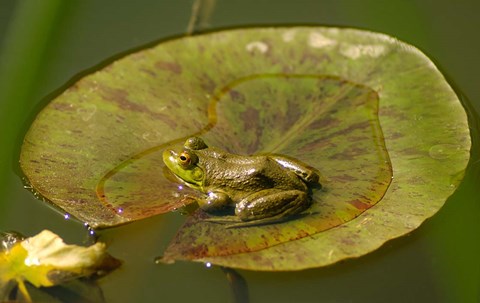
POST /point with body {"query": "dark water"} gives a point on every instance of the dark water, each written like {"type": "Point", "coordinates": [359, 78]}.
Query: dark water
{"type": "Point", "coordinates": [436, 263]}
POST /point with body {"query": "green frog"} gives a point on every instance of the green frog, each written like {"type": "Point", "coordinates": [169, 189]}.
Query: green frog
{"type": "Point", "coordinates": [262, 189]}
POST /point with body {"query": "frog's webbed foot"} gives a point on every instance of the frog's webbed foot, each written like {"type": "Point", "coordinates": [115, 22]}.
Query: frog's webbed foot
{"type": "Point", "coordinates": [235, 222]}
{"type": "Point", "coordinates": [275, 219]}
{"type": "Point", "coordinates": [224, 220]}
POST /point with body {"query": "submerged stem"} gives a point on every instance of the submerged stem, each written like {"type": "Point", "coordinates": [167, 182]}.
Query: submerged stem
{"type": "Point", "coordinates": [238, 285]}
{"type": "Point", "coordinates": [23, 289]}
{"type": "Point", "coordinates": [202, 11]}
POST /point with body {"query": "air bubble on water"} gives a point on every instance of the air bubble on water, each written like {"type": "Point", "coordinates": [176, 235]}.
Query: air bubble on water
{"type": "Point", "coordinates": [90, 230]}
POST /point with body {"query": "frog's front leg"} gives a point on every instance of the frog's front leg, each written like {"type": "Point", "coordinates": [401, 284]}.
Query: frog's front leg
{"type": "Point", "coordinates": [214, 201]}
{"type": "Point", "coordinates": [302, 170]}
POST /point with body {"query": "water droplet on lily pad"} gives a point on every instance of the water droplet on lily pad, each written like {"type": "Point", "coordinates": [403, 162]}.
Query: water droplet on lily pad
{"type": "Point", "coordinates": [366, 110]}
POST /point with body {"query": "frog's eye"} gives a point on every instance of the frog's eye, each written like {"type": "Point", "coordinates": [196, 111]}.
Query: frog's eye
{"type": "Point", "coordinates": [186, 159]}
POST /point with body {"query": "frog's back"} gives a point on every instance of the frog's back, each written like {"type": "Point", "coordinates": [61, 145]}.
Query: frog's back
{"type": "Point", "coordinates": [241, 175]}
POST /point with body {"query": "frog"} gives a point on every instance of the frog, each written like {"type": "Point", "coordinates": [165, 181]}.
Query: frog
{"type": "Point", "coordinates": [259, 189]}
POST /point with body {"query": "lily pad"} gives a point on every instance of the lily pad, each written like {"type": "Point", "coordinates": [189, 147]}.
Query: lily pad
{"type": "Point", "coordinates": [336, 124]}
{"type": "Point", "coordinates": [360, 107]}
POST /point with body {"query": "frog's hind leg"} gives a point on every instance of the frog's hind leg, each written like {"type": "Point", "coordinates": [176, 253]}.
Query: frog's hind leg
{"type": "Point", "coordinates": [270, 206]}
{"type": "Point", "coordinates": [305, 172]}
{"type": "Point", "coordinates": [266, 207]}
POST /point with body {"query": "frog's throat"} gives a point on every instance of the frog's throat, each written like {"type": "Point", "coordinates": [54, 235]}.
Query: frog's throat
{"type": "Point", "coordinates": [189, 184]}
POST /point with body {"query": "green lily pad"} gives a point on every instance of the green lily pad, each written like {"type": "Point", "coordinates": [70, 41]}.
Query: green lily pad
{"type": "Point", "coordinates": [361, 107]}
{"type": "Point", "coordinates": [336, 124]}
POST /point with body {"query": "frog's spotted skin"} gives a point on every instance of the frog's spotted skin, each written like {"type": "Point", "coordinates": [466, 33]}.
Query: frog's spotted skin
{"type": "Point", "coordinates": [262, 189]}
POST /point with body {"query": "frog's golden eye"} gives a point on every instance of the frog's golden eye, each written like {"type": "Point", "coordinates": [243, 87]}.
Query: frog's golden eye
{"type": "Point", "coordinates": [186, 159]}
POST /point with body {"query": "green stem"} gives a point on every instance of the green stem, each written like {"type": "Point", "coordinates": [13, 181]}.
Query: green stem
{"type": "Point", "coordinates": [23, 290]}
{"type": "Point", "coordinates": [202, 11]}
{"type": "Point", "coordinates": [238, 285]}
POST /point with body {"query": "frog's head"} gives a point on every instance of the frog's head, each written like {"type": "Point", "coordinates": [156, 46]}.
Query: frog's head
{"type": "Point", "coordinates": [184, 165]}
